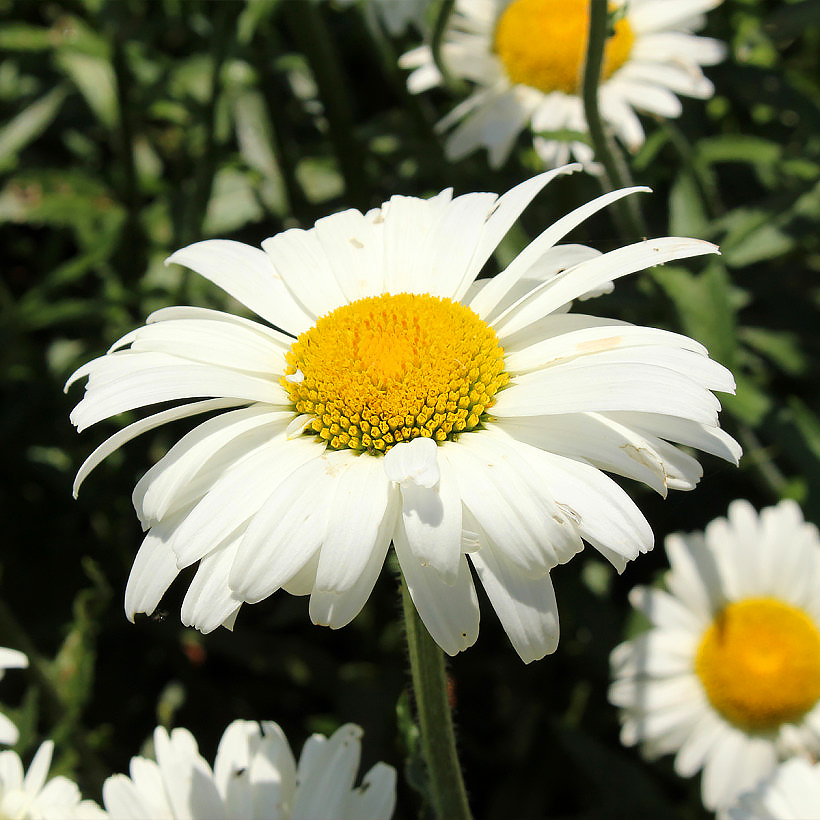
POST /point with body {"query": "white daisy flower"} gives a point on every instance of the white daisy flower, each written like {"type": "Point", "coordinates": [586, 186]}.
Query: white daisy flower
{"type": "Point", "coordinates": [255, 776]}
{"type": "Point", "coordinates": [10, 659]}
{"type": "Point", "coordinates": [25, 795]}
{"type": "Point", "coordinates": [526, 59]}
{"type": "Point", "coordinates": [728, 678]}
{"type": "Point", "coordinates": [393, 398]}
{"type": "Point", "coordinates": [791, 793]}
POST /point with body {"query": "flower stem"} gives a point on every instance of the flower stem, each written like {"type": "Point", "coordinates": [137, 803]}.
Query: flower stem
{"type": "Point", "coordinates": [605, 151]}
{"type": "Point", "coordinates": [438, 741]}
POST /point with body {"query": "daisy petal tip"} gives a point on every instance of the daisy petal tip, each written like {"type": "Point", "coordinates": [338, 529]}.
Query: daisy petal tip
{"type": "Point", "coordinates": [415, 461]}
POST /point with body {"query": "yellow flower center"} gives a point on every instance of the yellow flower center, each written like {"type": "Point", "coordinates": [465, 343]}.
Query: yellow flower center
{"type": "Point", "coordinates": [542, 43]}
{"type": "Point", "coordinates": [392, 368]}
{"type": "Point", "coordinates": [759, 663]}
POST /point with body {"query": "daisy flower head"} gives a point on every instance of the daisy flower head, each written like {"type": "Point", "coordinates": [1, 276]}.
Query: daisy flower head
{"type": "Point", "coordinates": [792, 792]}
{"type": "Point", "coordinates": [728, 678]}
{"type": "Point", "coordinates": [10, 659]}
{"type": "Point", "coordinates": [254, 776]}
{"type": "Point", "coordinates": [389, 396]}
{"type": "Point", "coordinates": [28, 795]}
{"type": "Point", "coordinates": [525, 59]}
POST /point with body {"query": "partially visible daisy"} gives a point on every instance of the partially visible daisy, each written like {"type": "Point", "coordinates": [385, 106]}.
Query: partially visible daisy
{"type": "Point", "coordinates": [526, 57]}
{"type": "Point", "coordinates": [394, 398]}
{"type": "Point", "coordinates": [791, 793]}
{"type": "Point", "coordinates": [10, 659]}
{"type": "Point", "coordinates": [255, 777]}
{"type": "Point", "coordinates": [728, 678]}
{"type": "Point", "coordinates": [27, 795]}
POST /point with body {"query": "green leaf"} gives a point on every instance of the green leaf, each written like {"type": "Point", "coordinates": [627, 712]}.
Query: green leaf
{"type": "Point", "coordinates": [752, 237]}
{"type": "Point", "coordinates": [705, 307]}
{"type": "Point", "coordinates": [233, 203]}
{"type": "Point", "coordinates": [95, 80]}
{"type": "Point", "coordinates": [23, 37]}
{"type": "Point", "coordinates": [687, 216]}
{"type": "Point", "coordinates": [29, 124]}
{"type": "Point", "coordinates": [785, 349]}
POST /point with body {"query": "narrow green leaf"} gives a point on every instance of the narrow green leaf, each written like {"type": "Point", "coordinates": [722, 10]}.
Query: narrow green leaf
{"type": "Point", "coordinates": [29, 124]}
{"type": "Point", "coordinates": [94, 78]}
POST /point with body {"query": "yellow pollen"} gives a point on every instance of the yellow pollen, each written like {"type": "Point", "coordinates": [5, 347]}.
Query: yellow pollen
{"type": "Point", "coordinates": [759, 662]}
{"type": "Point", "coordinates": [542, 43]}
{"type": "Point", "coordinates": [392, 368]}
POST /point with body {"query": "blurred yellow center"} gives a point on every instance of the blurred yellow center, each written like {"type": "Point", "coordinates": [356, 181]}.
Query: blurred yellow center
{"type": "Point", "coordinates": [759, 663]}
{"type": "Point", "coordinates": [392, 368]}
{"type": "Point", "coordinates": [542, 43]}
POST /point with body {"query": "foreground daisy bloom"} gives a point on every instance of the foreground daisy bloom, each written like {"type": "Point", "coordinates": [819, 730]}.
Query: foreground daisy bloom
{"type": "Point", "coordinates": [255, 777]}
{"type": "Point", "coordinates": [25, 795]}
{"type": "Point", "coordinates": [728, 678]}
{"type": "Point", "coordinates": [791, 793]}
{"type": "Point", "coordinates": [10, 659]}
{"type": "Point", "coordinates": [526, 59]}
{"type": "Point", "coordinates": [393, 398]}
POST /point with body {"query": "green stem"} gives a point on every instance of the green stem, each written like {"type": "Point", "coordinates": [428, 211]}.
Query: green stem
{"type": "Point", "coordinates": [629, 215]}
{"type": "Point", "coordinates": [435, 719]}
{"type": "Point", "coordinates": [442, 18]}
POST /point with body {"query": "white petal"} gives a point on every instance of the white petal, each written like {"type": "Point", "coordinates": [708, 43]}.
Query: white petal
{"type": "Point", "coordinates": [37, 773]}
{"type": "Point", "coordinates": [288, 529]}
{"type": "Point", "coordinates": [588, 340]}
{"type": "Point", "coordinates": [326, 777]}
{"type": "Point", "coordinates": [246, 273]}
{"type": "Point", "coordinates": [125, 381]}
{"type": "Point", "coordinates": [356, 510]}
{"type": "Point", "coordinates": [590, 275]}
{"type": "Point", "coordinates": [123, 800]}
{"type": "Point", "coordinates": [154, 569]}
{"type": "Point", "coordinates": [431, 520]}
{"type": "Point", "coordinates": [12, 659]}
{"type": "Point", "coordinates": [449, 612]}
{"type": "Point", "coordinates": [604, 514]}
{"type": "Point", "coordinates": [484, 303]}
{"type": "Point", "coordinates": [337, 609]}
{"type": "Point", "coordinates": [525, 606]}
{"type": "Point", "coordinates": [8, 731]}
{"type": "Point", "coordinates": [189, 469]}
{"type": "Point", "coordinates": [577, 387]}
{"type": "Point", "coordinates": [209, 602]}
{"type": "Point", "coordinates": [413, 461]}
{"type": "Point", "coordinates": [375, 799]}
{"type": "Point", "coordinates": [501, 218]}
{"type": "Point", "coordinates": [238, 495]}
{"type": "Point", "coordinates": [113, 443]}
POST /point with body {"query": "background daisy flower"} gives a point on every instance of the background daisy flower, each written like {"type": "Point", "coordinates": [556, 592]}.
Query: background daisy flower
{"type": "Point", "coordinates": [728, 678]}
{"type": "Point", "coordinates": [255, 776]}
{"type": "Point", "coordinates": [10, 659]}
{"type": "Point", "coordinates": [393, 398]}
{"type": "Point", "coordinates": [29, 795]}
{"type": "Point", "coordinates": [526, 58]}
{"type": "Point", "coordinates": [791, 793]}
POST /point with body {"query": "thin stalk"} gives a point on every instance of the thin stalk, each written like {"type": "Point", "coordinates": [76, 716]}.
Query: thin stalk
{"type": "Point", "coordinates": [629, 216]}
{"type": "Point", "coordinates": [442, 18]}
{"type": "Point", "coordinates": [435, 718]}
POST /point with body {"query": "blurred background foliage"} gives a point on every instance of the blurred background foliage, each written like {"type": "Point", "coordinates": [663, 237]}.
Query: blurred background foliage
{"type": "Point", "coordinates": [129, 129]}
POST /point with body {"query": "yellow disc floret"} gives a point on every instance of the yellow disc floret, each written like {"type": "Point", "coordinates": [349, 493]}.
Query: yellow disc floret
{"type": "Point", "coordinates": [542, 43]}
{"type": "Point", "coordinates": [392, 368]}
{"type": "Point", "coordinates": [759, 662]}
